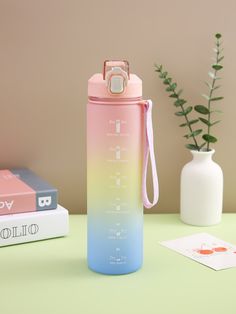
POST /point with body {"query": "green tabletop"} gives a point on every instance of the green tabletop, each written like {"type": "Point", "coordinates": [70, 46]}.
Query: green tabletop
{"type": "Point", "coordinates": [51, 276]}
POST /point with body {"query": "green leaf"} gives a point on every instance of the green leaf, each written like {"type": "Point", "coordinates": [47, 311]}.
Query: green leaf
{"type": "Point", "coordinates": [188, 123]}
{"type": "Point", "coordinates": [179, 92]}
{"type": "Point", "coordinates": [179, 102]}
{"type": "Point", "coordinates": [212, 75]}
{"type": "Point", "coordinates": [188, 110]}
{"type": "Point", "coordinates": [202, 109]}
{"type": "Point", "coordinates": [216, 98]}
{"type": "Point", "coordinates": [217, 67]}
{"type": "Point", "coordinates": [205, 121]}
{"type": "Point", "coordinates": [191, 146]}
{"type": "Point", "coordinates": [218, 35]}
{"type": "Point", "coordinates": [164, 74]}
{"type": "Point", "coordinates": [208, 84]}
{"type": "Point", "coordinates": [194, 133]}
{"type": "Point", "coordinates": [208, 123]}
{"type": "Point", "coordinates": [185, 112]}
{"type": "Point", "coordinates": [216, 87]}
{"type": "Point", "coordinates": [168, 89]}
{"type": "Point", "coordinates": [220, 59]}
{"type": "Point", "coordinates": [173, 86]}
{"type": "Point", "coordinates": [209, 138]}
{"type": "Point", "coordinates": [197, 132]}
{"type": "Point", "coordinates": [173, 95]}
{"type": "Point", "coordinates": [205, 96]}
{"type": "Point", "coordinates": [193, 121]}
{"type": "Point", "coordinates": [180, 113]}
{"type": "Point", "coordinates": [167, 81]}
{"type": "Point", "coordinates": [218, 111]}
{"type": "Point", "coordinates": [215, 122]}
{"type": "Point", "coordinates": [158, 68]}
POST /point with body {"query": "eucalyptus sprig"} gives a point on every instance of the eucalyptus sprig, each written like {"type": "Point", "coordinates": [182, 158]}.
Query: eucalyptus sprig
{"type": "Point", "coordinates": [184, 110]}
{"type": "Point", "coordinates": [216, 66]}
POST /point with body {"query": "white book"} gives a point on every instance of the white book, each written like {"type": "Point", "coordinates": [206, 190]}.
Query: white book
{"type": "Point", "coordinates": [33, 226]}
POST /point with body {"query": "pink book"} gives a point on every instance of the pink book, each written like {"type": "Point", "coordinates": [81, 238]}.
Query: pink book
{"type": "Point", "coordinates": [21, 191]}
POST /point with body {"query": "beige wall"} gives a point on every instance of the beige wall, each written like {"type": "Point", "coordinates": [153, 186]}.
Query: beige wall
{"type": "Point", "coordinates": [48, 50]}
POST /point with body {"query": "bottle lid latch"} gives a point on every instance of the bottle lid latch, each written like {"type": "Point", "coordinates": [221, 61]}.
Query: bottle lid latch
{"type": "Point", "coordinates": [116, 75]}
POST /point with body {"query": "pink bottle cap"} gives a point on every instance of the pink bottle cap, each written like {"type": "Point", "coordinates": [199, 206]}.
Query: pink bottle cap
{"type": "Point", "coordinates": [115, 82]}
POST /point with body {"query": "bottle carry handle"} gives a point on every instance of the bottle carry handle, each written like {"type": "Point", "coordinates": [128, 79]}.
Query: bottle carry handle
{"type": "Point", "coordinates": [149, 151]}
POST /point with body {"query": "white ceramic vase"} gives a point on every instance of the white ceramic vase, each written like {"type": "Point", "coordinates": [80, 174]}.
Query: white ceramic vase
{"type": "Point", "coordinates": [201, 198]}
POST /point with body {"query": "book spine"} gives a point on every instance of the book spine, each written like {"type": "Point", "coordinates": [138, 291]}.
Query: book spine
{"type": "Point", "coordinates": [28, 227]}
{"type": "Point", "coordinates": [46, 196]}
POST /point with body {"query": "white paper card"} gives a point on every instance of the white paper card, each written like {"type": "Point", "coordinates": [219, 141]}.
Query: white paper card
{"type": "Point", "coordinates": [205, 249]}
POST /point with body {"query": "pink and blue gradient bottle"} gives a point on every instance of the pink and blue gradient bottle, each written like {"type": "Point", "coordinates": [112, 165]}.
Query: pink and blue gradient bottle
{"type": "Point", "coordinates": [115, 159]}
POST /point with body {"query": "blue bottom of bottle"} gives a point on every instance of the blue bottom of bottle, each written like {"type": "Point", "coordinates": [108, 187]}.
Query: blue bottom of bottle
{"type": "Point", "coordinates": [116, 269]}
{"type": "Point", "coordinates": [117, 252]}
{"type": "Point", "coordinates": [113, 271]}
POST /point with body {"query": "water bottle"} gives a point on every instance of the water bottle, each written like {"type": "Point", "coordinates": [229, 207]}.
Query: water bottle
{"type": "Point", "coordinates": [119, 143]}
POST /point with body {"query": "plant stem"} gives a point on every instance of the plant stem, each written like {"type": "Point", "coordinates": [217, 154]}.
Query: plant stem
{"type": "Point", "coordinates": [187, 120]}
{"type": "Point", "coordinates": [210, 95]}
{"type": "Point", "coordinates": [190, 128]}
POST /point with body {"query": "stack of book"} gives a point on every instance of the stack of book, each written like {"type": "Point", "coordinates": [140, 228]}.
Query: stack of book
{"type": "Point", "coordinates": [28, 208]}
